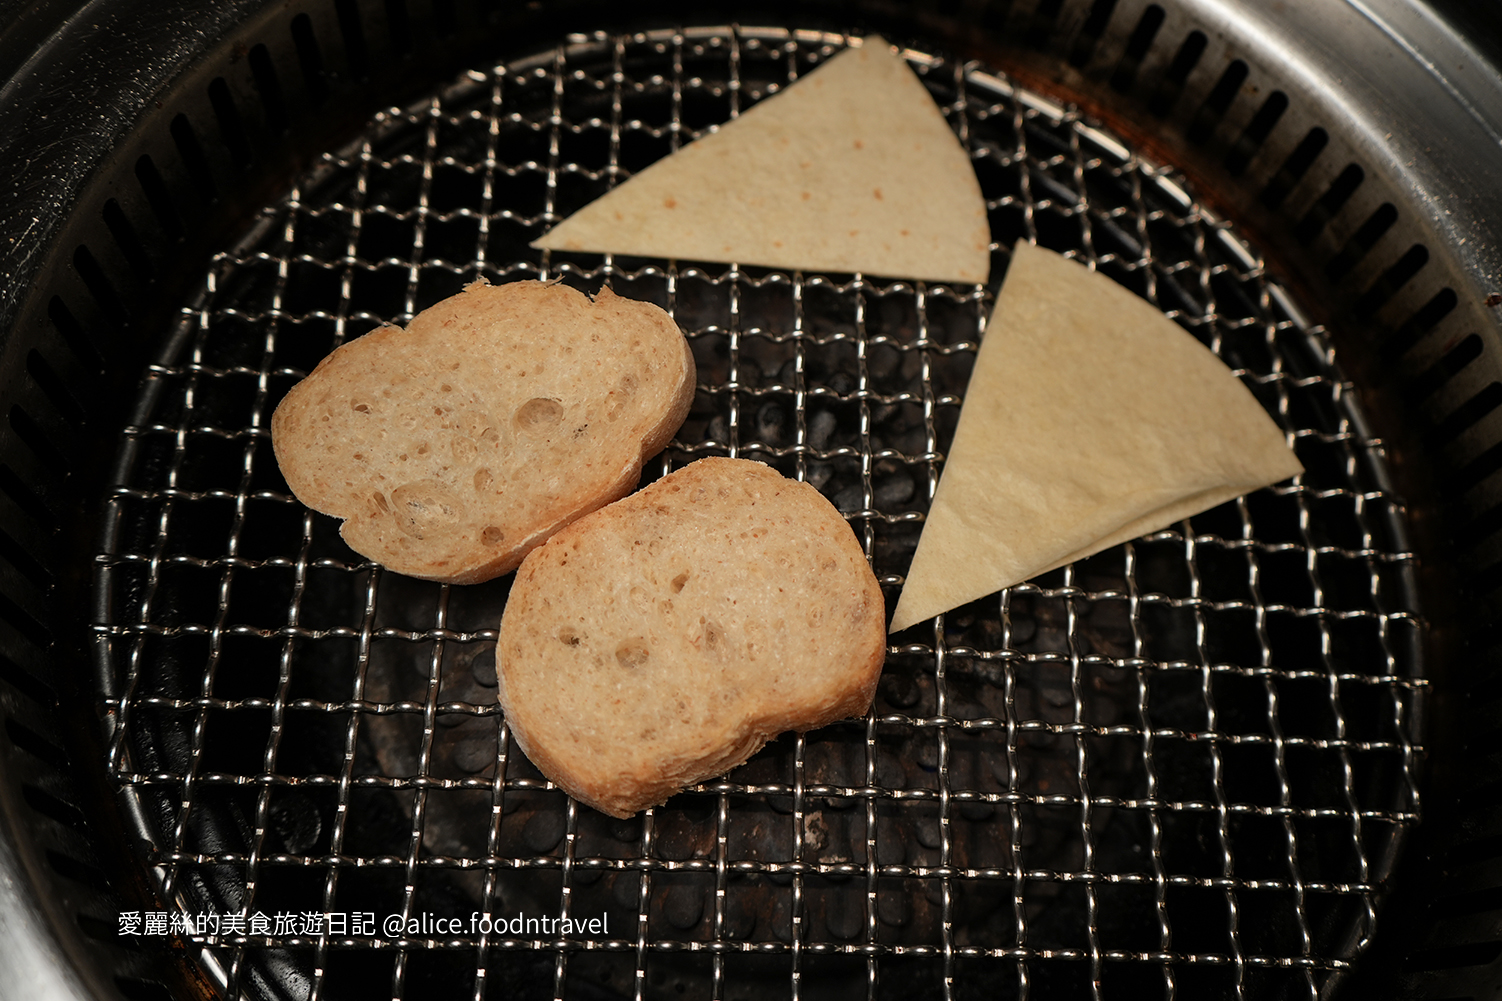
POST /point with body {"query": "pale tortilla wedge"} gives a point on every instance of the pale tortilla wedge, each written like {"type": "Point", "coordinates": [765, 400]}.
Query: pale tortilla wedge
{"type": "Point", "coordinates": [850, 169]}
{"type": "Point", "coordinates": [1090, 419]}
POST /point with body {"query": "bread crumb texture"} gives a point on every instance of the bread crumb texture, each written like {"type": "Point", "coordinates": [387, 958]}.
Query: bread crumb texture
{"type": "Point", "coordinates": [454, 447]}
{"type": "Point", "coordinates": [663, 640]}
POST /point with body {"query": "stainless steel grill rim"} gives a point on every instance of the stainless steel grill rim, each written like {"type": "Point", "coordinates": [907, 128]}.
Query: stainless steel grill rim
{"type": "Point", "coordinates": [1298, 365]}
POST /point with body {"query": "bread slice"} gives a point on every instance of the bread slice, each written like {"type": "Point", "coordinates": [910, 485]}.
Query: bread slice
{"type": "Point", "coordinates": [454, 447]}
{"type": "Point", "coordinates": [663, 640]}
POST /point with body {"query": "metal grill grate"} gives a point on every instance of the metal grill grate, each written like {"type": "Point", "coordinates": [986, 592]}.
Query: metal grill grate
{"type": "Point", "coordinates": [1179, 768]}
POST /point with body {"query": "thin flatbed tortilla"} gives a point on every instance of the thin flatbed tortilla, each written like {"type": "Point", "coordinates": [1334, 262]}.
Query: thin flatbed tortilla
{"type": "Point", "coordinates": [1090, 419]}
{"type": "Point", "coordinates": [850, 169]}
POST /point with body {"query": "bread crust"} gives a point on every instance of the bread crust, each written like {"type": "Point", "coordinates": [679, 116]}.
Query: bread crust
{"type": "Point", "coordinates": [663, 640]}
{"type": "Point", "coordinates": [456, 446]}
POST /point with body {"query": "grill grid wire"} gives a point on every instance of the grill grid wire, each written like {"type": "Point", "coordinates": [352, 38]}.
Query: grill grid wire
{"type": "Point", "coordinates": [202, 538]}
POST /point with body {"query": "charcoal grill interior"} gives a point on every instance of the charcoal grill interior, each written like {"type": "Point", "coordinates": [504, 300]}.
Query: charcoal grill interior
{"type": "Point", "coordinates": [1184, 767]}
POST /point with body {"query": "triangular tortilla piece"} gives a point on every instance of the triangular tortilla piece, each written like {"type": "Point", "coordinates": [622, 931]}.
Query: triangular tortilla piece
{"type": "Point", "coordinates": [1090, 419]}
{"type": "Point", "coordinates": [851, 168]}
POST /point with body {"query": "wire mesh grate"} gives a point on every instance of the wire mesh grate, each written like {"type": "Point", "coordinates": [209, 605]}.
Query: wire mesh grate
{"type": "Point", "coordinates": [1178, 768]}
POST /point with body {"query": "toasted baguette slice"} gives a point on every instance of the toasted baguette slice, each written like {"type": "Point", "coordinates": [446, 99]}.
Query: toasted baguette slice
{"type": "Point", "coordinates": [663, 640]}
{"type": "Point", "coordinates": [456, 446]}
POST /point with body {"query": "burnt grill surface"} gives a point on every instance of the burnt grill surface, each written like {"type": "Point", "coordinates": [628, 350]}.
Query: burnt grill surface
{"type": "Point", "coordinates": [1179, 767]}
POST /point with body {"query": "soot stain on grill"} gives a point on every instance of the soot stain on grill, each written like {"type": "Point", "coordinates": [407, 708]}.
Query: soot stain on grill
{"type": "Point", "coordinates": [971, 761]}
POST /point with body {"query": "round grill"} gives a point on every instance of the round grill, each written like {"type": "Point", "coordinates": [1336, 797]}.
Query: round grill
{"type": "Point", "coordinates": [1178, 768]}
